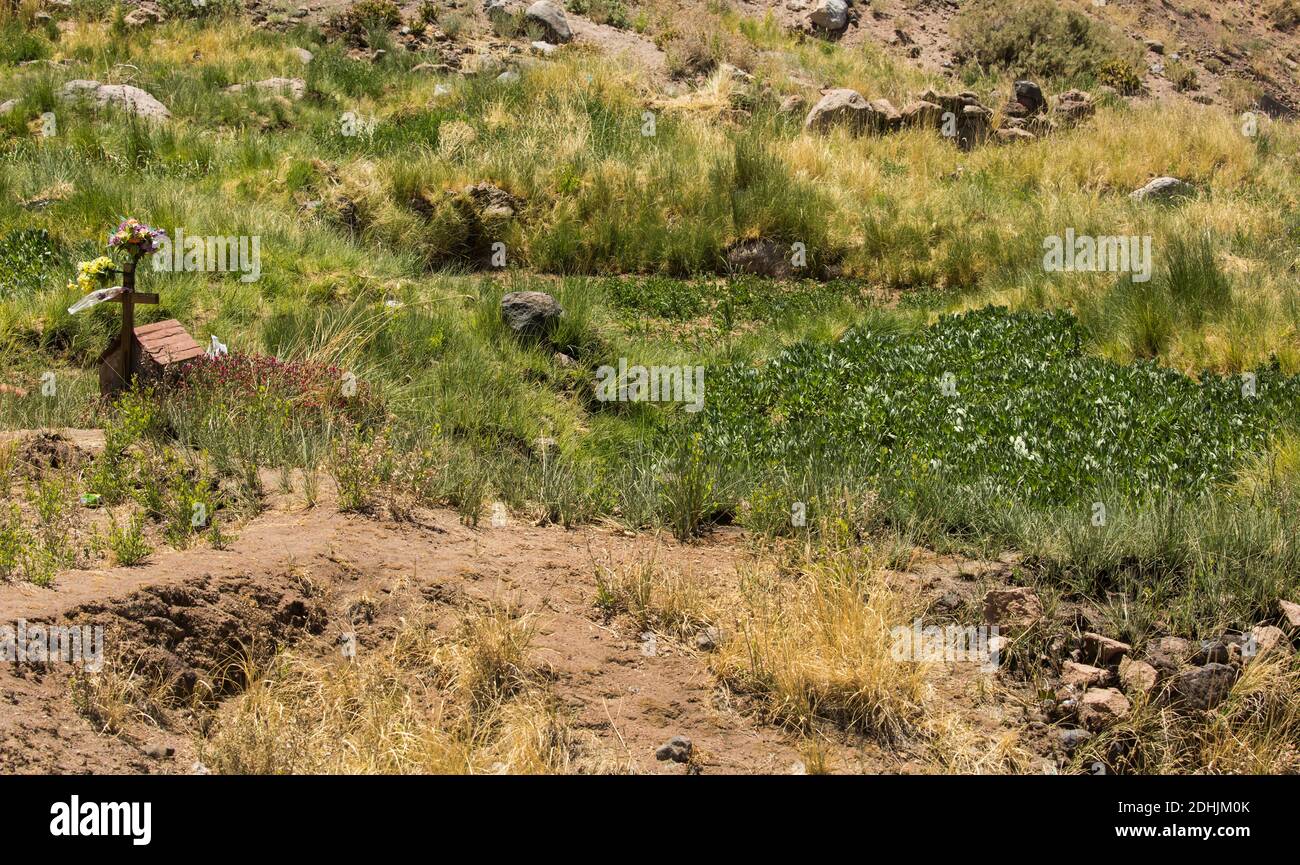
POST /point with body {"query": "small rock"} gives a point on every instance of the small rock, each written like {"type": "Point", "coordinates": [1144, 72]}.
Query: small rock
{"type": "Point", "coordinates": [1265, 639]}
{"type": "Point", "coordinates": [1074, 105]}
{"type": "Point", "coordinates": [948, 602]}
{"type": "Point", "coordinates": [199, 769]}
{"type": "Point", "coordinates": [1104, 650]}
{"type": "Point", "coordinates": [143, 16]}
{"type": "Point", "coordinates": [707, 640]}
{"type": "Point", "coordinates": [303, 55]}
{"type": "Point", "coordinates": [793, 104]}
{"type": "Point", "coordinates": [7, 106]}
{"type": "Point", "coordinates": [998, 648]}
{"type": "Point", "coordinates": [1138, 677]}
{"type": "Point", "coordinates": [1072, 739]}
{"type": "Point", "coordinates": [1169, 655]}
{"type": "Point", "coordinates": [510, 76]}
{"type": "Point", "coordinates": [1162, 189]}
{"type": "Point", "coordinates": [530, 312]}
{"type": "Point", "coordinates": [761, 257]}
{"type": "Point", "coordinates": [1082, 676]}
{"type": "Point", "coordinates": [545, 49]}
{"type": "Point", "coordinates": [1290, 614]}
{"type": "Point", "coordinates": [1015, 608]}
{"type": "Point", "coordinates": [1155, 46]}
{"type": "Point", "coordinates": [1202, 688]}
{"type": "Point", "coordinates": [922, 114]}
{"type": "Point", "coordinates": [1212, 652]}
{"type": "Point", "coordinates": [1101, 707]}
{"type": "Point", "coordinates": [159, 751]}
{"type": "Point", "coordinates": [678, 749]}
{"type": "Point", "coordinates": [1013, 135]}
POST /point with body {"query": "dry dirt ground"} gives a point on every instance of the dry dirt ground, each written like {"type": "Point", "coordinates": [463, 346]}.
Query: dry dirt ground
{"type": "Point", "coordinates": [303, 576]}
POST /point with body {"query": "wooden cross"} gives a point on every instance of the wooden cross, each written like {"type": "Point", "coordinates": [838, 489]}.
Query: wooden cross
{"type": "Point", "coordinates": [129, 298]}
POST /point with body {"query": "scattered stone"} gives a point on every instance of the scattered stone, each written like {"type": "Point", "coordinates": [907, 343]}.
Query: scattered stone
{"type": "Point", "coordinates": [1138, 677]}
{"type": "Point", "coordinates": [793, 104]}
{"type": "Point", "coordinates": [839, 107]}
{"type": "Point", "coordinates": [552, 20]}
{"type": "Point", "coordinates": [491, 202]}
{"type": "Point", "coordinates": [707, 640]}
{"type": "Point", "coordinates": [1101, 707]}
{"type": "Point", "coordinates": [1012, 609]}
{"type": "Point", "coordinates": [545, 49]}
{"type": "Point", "coordinates": [199, 769]}
{"type": "Point", "coordinates": [1074, 106]}
{"type": "Point", "coordinates": [678, 749]}
{"type": "Point", "coordinates": [1212, 652]}
{"type": "Point", "coordinates": [922, 114]}
{"type": "Point", "coordinates": [303, 55]}
{"type": "Point", "coordinates": [510, 76]}
{"type": "Point", "coordinates": [974, 125]}
{"type": "Point", "coordinates": [1013, 135]}
{"type": "Point", "coordinates": [133, 99]}
{"type": "Point", "coordinates": [1030, 96]}
{"type": "Point", "coordinates": [1083, 676]}
{"type": "Point", "coordinates": [1202, 688]}
{"type": "Point", "coordinates": [530, 312]}
{"type": "Point", "coordinates": [144, 15]}
{"type": "Point", "coordinates": [1104, 650]}
{"type": "Point", "coordinates": [888, 118]}
{"type": "Point", "coordinates": [563, 360]}
{"type": "Point", "coordinates": [1168, 655]}
{"type": "Point", "coordinates": [761, 257]}
{"type": "Point", "coordinates": [1073, 738]}
{"type": "Point", "coordinates": [294, 88]}
{"type": "Point", "coordinates": [948, 602]}
{"type": "Point", "coordinates": [998, 648]}
{"type": "Point", "coordinates": [1155, 46]}
{"type": "Point", "coordinates": [7, 106]}
{"type": "Point", "coordinates": [159, 751]}
{"type": "Point", "coordinates": [1290, 614]}
{"type": "Point", "coordinates": [831, 16]}
{"type": "Point", "coordinates": [1162, 189]}
{"type": "Point", "coordinates": [1265, 639]}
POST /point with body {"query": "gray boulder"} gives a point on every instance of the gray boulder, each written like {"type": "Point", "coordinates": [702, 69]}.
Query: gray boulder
{"type": "Point", "coordinates": [1163, 189]}
{"type": "Point", "coordinates": [133, 99]}
{"type": "Point", "coordinates": [761, 257]}
{"type": "Point", "coordinates": [848, 108]}
{"type": "Point", "coordinates": [552, 20]}
{"type": "Point", "coordinates": [830, 15]}
{"type": "Point", "coordinates": [530, 312]}
{"type": "Point", "coordinates": [1202, 688]}
{"type": "Point", "coordinates": [1030, 95]}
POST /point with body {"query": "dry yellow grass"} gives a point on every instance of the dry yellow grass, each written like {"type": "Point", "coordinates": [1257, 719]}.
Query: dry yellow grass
{"type": "Point", "coordinates": [467, 704]}
{"type": "Point", "coordinates": [814, 644]}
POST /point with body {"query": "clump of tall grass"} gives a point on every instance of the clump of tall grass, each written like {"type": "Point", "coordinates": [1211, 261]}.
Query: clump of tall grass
{"type": "Point", "coordinates": [814, 645]}
{"type": "Point", "coordinates": [463, 704]}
